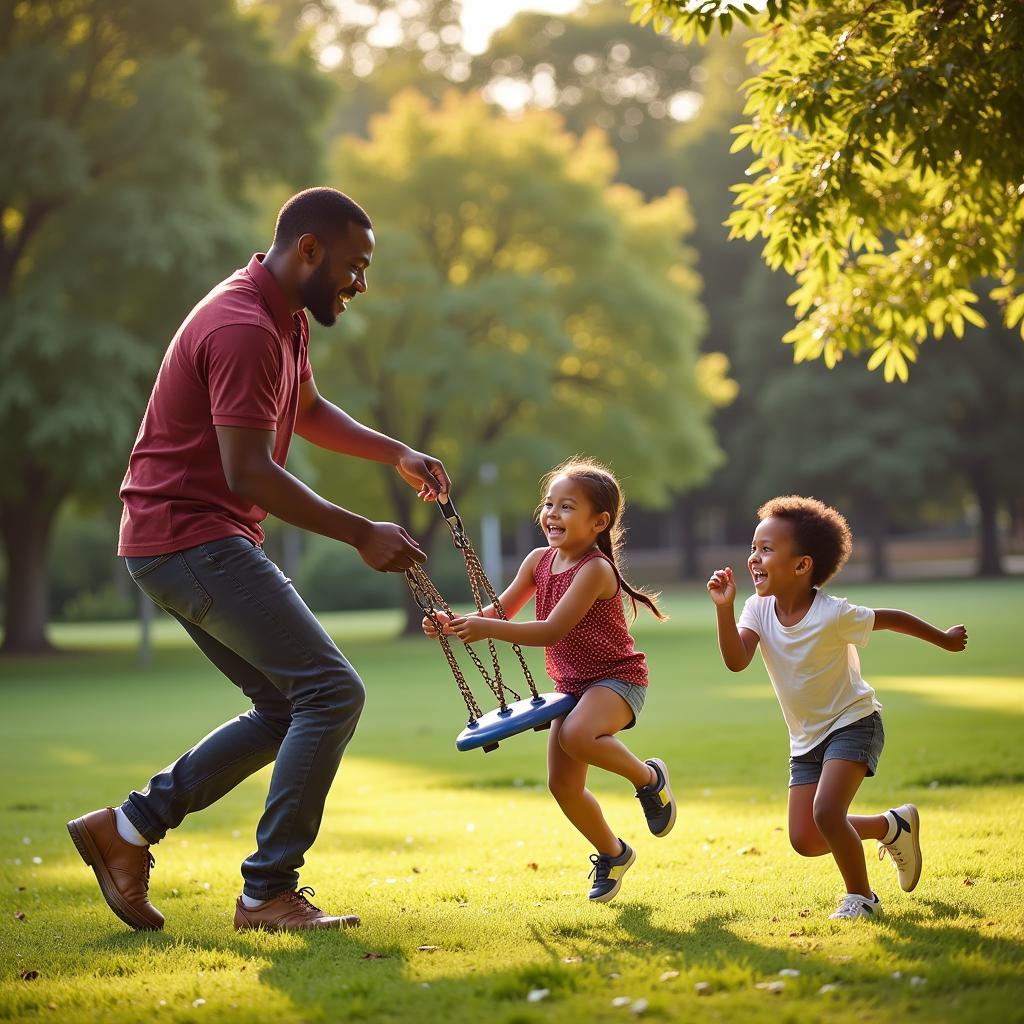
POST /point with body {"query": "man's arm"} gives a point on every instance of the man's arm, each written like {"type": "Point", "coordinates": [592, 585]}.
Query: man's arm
{"type": "Point", "coordinates": [246, 455]}
{"type": "Point", "coordinates": [322, 423]}
{"type": "Point", "coordinates": [953, 639]}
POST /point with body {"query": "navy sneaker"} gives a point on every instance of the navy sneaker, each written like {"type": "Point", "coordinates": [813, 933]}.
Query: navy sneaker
{"type": "Point", "coordinates": [607, 872]}
{"type": "Point", "coordinates": [657, 800]}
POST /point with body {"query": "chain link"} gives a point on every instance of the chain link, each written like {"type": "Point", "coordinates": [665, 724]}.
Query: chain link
{"type": "Point", "coordinates": [429, 599]}
{"type": "Point", "coordinates": [475, 571]}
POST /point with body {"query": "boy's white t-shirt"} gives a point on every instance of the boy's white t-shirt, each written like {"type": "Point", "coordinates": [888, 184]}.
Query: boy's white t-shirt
{"type": "Point", "coordinates": [814, 665]}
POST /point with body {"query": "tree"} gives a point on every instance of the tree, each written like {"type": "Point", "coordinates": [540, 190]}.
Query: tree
{"type": "Point", "coordinates": [521, 308]}
{"type": "Point", "coordinates": [887, 174]}
{"type": "Point", "coordinates": [839, 434]}
{"type": "Point", "coordinates": [134, 132]}
{"type": "Point", "coordinates": [596, 68]}
{"type": "Point", "coordinates": [879, 453]}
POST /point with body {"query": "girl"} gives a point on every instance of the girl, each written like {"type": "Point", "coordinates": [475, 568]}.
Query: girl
{"type": "Point", "coordinates": [588, 653]}
{"type": "Point", "coordinates": [809, 642]}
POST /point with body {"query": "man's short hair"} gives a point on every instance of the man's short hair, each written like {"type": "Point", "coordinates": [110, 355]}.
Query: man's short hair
{"type": "Point", "coordinates": [818, 530]}
{"type": "Point", "coordinates": [324, 212]}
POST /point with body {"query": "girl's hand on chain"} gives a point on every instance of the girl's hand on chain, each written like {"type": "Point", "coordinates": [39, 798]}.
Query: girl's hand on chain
{"type": "Point", "coordinates": [428, 626]}
{"type": "Point", "coordinates": [470, 628]}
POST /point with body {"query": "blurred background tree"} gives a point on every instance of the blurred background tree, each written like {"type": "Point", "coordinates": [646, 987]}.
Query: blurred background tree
{"type": "Point", "coordinates": [523, 307]}
{"type": "Point", "coordinates": [135, 133]}
{"type": "Point", "coordinates": [259, 98]}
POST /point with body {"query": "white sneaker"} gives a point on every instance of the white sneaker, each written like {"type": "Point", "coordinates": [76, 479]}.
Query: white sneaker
{"type": "Point", "coordinates": [854, 905]}
{"type": "Point", "coordinates": [905, 847]}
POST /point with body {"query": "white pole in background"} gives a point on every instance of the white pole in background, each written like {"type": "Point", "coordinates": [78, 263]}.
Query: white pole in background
{"type": "Point", "coordinates": [490, 527]}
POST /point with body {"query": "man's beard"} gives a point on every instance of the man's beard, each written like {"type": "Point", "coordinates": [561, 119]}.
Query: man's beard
{"type": "Point", "coordinates": [319, 295]}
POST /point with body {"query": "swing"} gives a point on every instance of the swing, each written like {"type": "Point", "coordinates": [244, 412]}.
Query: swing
{"type": "Point", "coordinates": [509, 718]}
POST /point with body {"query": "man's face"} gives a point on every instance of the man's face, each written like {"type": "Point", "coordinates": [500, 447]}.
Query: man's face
{"type": "Point", "coordinates": [340, 274]}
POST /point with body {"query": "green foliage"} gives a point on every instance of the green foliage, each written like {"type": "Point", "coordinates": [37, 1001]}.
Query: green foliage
{"type": "Point", "coordinates": [132, 133]}
{"type": "Point", "coordinates": [521, 307]}
{"type": "Point", "coordinates": [887, 176]}
{"type": "Point", "coordinates": [595, 67]}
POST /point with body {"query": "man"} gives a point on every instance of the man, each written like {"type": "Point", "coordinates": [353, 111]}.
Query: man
{"type": "Point", "coordinates": [207, 467]}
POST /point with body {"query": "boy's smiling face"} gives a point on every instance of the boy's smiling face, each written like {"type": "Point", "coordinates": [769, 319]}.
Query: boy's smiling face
{"type": "Point", "coordinates": [775, 565]}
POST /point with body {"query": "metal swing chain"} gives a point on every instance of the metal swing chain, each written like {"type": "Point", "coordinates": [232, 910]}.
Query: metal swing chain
{"type": "Point", "coordinates": [428, 598]}
{"type": "Point", "coordinates": [475, 571]}
{"type": "Point", "coordinates": [474, 585]}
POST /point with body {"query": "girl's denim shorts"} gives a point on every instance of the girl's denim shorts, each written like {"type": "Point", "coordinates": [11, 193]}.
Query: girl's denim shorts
{"type": "Point", "coordinates": [632, 694]}
{"type": "Point", "coordinates": [861, 741]}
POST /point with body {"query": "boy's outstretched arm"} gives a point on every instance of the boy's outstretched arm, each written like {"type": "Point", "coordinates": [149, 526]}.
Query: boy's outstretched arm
{"type": "Point", "coordinates": [737, 645]}
{"type": "Point", "coordinates": [953, 639]}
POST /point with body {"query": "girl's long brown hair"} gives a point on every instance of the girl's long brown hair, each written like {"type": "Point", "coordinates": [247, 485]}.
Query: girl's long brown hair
{"type": "Point", "coordinates": [605, 495]}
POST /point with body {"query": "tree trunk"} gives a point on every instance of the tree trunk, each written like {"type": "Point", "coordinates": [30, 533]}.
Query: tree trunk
{"type": "Point", "coordinates": [26, 524]}
{"type": "Point", "coordinates": [877, 523]}
{"type": "Point", "coordinates": [990, 562]}
{"type": "Point", "coordinates": [686, 529]}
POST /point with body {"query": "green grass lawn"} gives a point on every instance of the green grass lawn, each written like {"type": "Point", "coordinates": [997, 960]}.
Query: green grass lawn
{"type": "Point", "coordinates": [472, 887]}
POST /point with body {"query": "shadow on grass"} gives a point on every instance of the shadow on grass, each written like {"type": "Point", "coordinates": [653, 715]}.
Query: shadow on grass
{"type": "Point", "coordinates": [336, 975]}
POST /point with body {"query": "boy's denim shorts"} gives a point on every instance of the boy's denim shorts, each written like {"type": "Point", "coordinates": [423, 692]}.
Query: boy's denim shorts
{"type": "Point", "coordinates": [631, 693]}
{"type": "Point", "coordinates": [861, 741]}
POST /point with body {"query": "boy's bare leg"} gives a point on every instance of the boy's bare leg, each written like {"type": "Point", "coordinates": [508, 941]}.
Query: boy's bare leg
{"type": "Point", "coordinates": [819, 823]}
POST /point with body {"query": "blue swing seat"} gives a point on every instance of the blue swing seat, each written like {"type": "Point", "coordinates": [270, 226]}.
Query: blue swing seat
{"type": "Point", "coordinates": [488, 730]}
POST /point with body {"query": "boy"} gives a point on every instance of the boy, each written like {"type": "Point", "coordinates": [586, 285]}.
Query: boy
{"type": "Point", "coordinates": [808, 641]}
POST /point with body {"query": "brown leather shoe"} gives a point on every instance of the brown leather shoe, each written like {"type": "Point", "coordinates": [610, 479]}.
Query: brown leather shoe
{"type": "Point", "coordinates": [290, 911]}
{"type": "Point", "coordinates": [121, 868]}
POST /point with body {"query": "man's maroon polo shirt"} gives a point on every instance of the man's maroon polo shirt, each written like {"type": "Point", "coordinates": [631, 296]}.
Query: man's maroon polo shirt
{"type": "Point", "coordinates": [236, 361]}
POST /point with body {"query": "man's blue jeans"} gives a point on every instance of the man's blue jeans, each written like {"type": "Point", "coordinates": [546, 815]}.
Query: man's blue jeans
{"type": "Point", "coordinates": [248, 619]}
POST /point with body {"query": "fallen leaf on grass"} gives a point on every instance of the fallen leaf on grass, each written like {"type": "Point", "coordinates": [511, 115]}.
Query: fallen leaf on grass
{"type": "Point", "coordinates": [374, 956]}
{"type": "Point", "coordinates": [775, 987]}
{"type": "Point", "coordinates": [669, 975]}
{"type": "Point", "coordinates": [28, 975]}
{"type": "Point", "coordinates": [532, 865]}
{"type": "Point", "coordinates": [968, 881]}
{"type": "Point", "coordinates": [19, 915]}
{"type": "Point", "coordinates": [804, 913]}
{"type": "Point", "coordinates": [427, 949]}
{"type": "Point", "coordinates": [745, 850]}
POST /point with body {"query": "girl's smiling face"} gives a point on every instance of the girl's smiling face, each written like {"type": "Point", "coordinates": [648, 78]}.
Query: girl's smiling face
{"type": "Point", "coordinates": [567, 517]}
{"type": "Point", "coordinates": [774, 562]}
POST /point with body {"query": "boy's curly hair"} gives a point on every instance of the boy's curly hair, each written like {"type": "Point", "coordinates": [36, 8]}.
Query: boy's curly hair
{"type": "Point", "coordinates": [818, 531]}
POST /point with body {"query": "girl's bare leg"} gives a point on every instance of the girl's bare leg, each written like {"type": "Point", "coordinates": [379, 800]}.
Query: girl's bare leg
{"type": "Point", "coordinates": [567, 780]}
{"type": "Point", "coordinates": [587, 734]}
